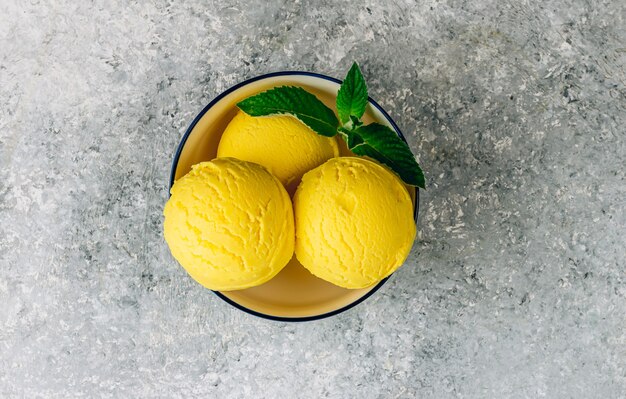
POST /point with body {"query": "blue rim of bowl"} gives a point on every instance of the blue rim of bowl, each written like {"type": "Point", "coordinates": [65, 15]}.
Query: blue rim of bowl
{"type": "Point", "coordinates": [224, 94]}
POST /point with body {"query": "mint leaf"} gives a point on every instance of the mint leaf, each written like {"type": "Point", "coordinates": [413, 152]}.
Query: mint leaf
{"type": "Point", "coordinates": [383, 144]}
{"type": "Point", "coordinates": [352, 96]}
{"type": "Point", "coordinates": [293, 101]}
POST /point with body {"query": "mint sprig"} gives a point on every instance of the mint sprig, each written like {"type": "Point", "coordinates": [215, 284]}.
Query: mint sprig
{"type": "Point", "coordinates": [374, 140]}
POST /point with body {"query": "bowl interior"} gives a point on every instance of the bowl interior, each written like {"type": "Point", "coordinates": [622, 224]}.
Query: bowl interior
{"type": "Point", "coordinates": [294, 293]}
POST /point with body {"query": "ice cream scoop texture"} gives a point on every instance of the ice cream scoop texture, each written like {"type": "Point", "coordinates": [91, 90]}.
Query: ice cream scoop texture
{"type": "Point", "coordinates": [230, 224]}
{"type": "Point", "coordinates": [354, 222]}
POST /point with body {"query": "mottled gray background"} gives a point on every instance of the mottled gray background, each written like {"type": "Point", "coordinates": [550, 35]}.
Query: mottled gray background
{"type": "Point", "coordinates": [515, 285]}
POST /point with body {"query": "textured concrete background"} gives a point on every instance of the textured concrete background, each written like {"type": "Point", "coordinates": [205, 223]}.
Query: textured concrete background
{"type": "Point", "coordinates": [515, 286]}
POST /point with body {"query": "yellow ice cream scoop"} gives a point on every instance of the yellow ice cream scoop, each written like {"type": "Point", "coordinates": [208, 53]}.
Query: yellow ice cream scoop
{"type": "Point", "coordinates": [283, 144]}
{"type": "Point", "coordinates": [354, 222]}
{"type": "Point", "coordinates": [230, 224]}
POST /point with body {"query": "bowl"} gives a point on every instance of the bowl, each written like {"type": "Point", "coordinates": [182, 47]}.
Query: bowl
{"type": "Point", "coordinates": [294, 294]}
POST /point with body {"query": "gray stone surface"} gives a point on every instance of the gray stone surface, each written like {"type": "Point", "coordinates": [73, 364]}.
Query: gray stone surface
{"type": "Point", "coordinates": [514, 288]}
